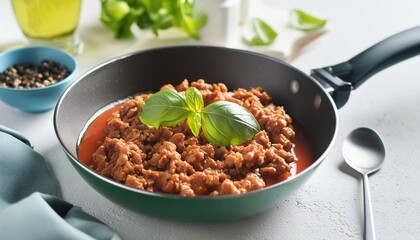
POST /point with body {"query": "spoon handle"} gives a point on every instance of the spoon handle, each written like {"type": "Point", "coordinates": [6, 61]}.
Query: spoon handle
{"type": "Point", "coordinates": [369, 226]}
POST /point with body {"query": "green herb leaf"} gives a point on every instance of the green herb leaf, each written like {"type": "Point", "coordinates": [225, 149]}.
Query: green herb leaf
{"type": "Point", "coordinates": [226, 123]}
{"type": "Point", "coordinates": [120, 15]}
{"type": "Point", "coordinates": [115, 10]}
{"type": "Point", "coordinates": [194, 99]}
{"type": "Point", "coordinates": [194, 122]}
{"type": "Point", "coordinates": [123, 29]}
{"type": "Point", "coordinates": [223, 123]}
{"type": "Point", "coordinates": [117, 16]}
{"type": "Point", "coordinates": [304, 21]}
{"type": "Point", "coordinates": [164, 108]}
{"type": "Point", "coordinates": [258, 32]}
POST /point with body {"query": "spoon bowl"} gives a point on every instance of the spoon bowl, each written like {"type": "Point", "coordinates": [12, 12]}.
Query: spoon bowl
{"type": "Point", "coordinates": [364, 151]}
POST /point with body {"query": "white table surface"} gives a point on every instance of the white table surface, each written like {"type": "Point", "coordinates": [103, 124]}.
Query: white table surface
{"type": "Point", "coordinates": [329, 205]}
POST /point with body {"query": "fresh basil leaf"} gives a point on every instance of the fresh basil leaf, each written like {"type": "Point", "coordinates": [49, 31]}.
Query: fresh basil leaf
{"type": "Point", "coordinates": [194, 122]}
{"type": "Point", "coordinates": [115, 10]}
{"type": "Point", "coordinates": [191, 25]}
{"type": "Point", "coordinates": [185, 19]}
{"type": "Point", "coordinates": [164, 108]}
{"type": "Point", "coordinates": [123, 28]}
{"type": "Point", "coordinates": [163, 21]}
{"type": "Point", "coordinates": [119, 16]}
{"type": "Point", "coordinates": [194, 99]}
{"type": "Point", "coordinates": [226, 123]}
{"type": "Point", "coordinates": [152, 6]}
{"type": "Point", "coordinates": [143, 20]}
{"type": "Point", "coordinates": [303, 21]}
{"type": "Point", "coordinates": [157, 15]}
{"type": "Point", "coordinates": [258, 32]}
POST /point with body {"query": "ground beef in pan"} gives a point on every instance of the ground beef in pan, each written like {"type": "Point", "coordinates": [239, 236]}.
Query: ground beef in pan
{"type": "Point", "coordinates": [173, 160]}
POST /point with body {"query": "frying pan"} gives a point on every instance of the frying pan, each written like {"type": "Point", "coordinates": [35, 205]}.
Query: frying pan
{"type": "Point", "coordinates": [311, 100]}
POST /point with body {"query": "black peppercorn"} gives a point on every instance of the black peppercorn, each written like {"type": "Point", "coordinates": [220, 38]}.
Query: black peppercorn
{"type": "Point", "coordinates": [33, 76]}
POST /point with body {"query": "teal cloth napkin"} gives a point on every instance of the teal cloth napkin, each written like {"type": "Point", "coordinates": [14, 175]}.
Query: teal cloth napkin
{"type": "Point", "coordinates": [30, 203]}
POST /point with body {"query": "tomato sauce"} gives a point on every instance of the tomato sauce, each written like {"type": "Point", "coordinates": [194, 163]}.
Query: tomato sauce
{"type": "Point", "coordinates": [302, 150]}
{"type": "Point", "coordinates": [94, 135]}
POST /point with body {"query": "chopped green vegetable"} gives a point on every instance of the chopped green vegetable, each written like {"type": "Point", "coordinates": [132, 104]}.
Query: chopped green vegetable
{"type": "Point", "coordinates": [223, 123]}
{"type": "Point", "coordinates": [258, 32]}
{"type": "Point", "coordinates": [120, 15]}
{"type": "Point", "coordinates": [304, 21]}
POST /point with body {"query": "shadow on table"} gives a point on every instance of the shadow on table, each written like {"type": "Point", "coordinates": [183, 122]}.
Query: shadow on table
{"type": "Point", "coordinates": [344, 167]}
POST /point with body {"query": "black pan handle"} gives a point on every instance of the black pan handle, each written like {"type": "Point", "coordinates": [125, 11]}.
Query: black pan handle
{"type": "Point", "coordinates": [344, 77]}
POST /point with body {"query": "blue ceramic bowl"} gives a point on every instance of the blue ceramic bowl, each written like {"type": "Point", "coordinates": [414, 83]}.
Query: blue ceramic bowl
{"type": "Point", "coordinates": [36, 99]}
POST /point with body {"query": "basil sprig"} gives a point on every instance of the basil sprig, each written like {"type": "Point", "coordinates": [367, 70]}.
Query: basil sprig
{"type": "Point", "coordinates": [121, 15]}
{"type": "Point", "coordinates": [224, 123]}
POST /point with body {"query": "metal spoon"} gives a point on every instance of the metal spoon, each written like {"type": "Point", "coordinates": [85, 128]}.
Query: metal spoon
{"type": "Point", "coordinates": [364, 151]}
